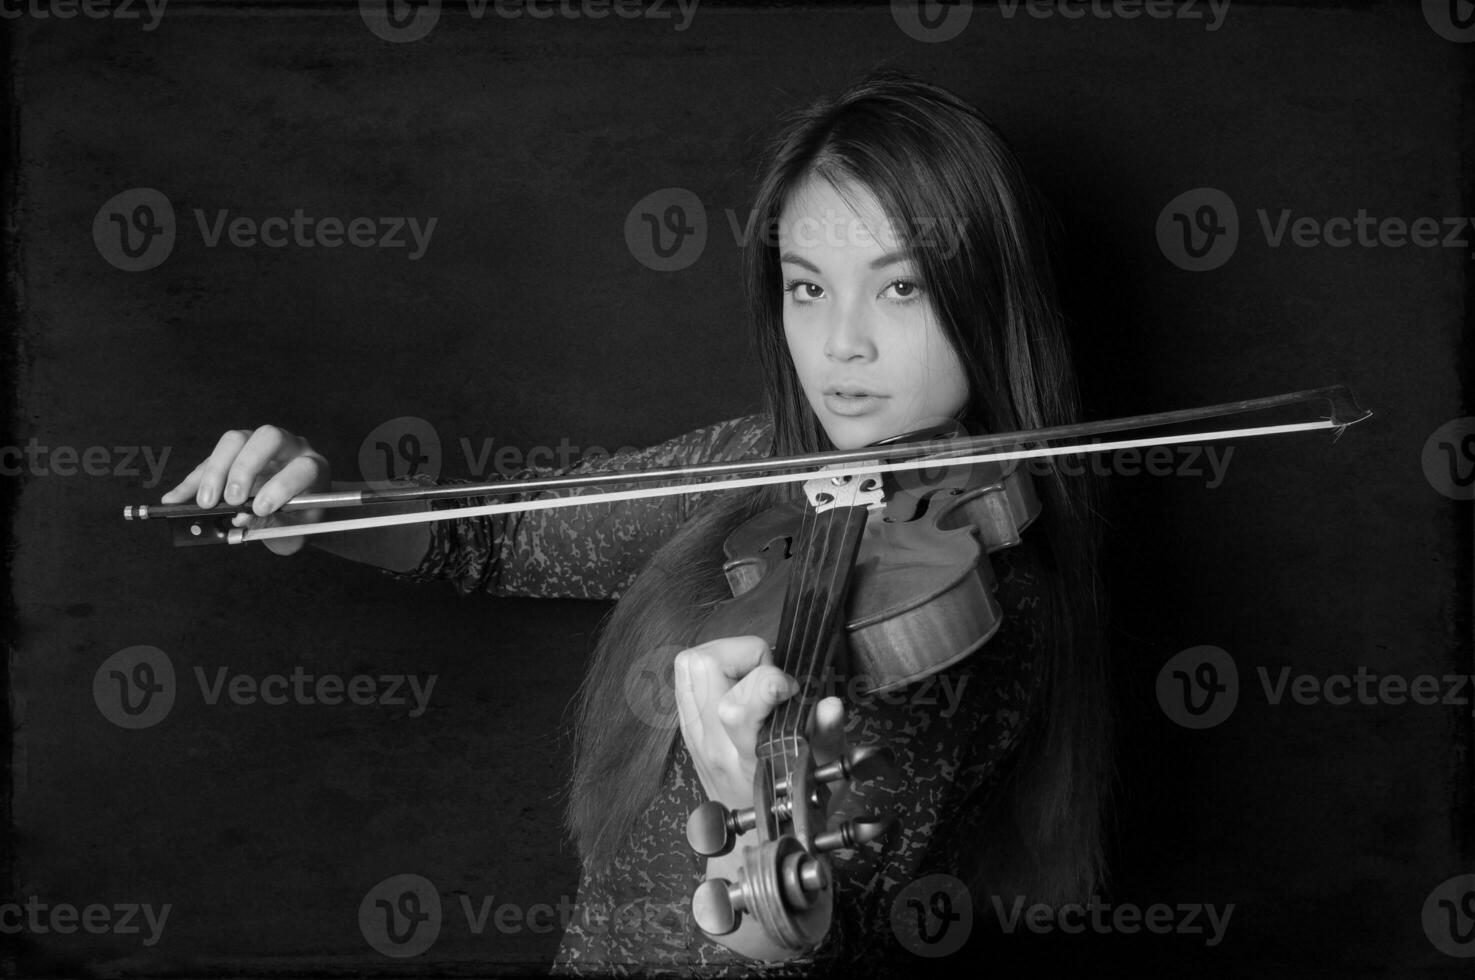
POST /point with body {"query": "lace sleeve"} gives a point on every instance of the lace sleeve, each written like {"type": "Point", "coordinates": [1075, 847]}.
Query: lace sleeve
{"type": "Point", "coordinates": [588, 552]}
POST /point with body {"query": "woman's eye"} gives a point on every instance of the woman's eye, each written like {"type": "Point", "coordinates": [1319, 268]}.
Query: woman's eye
{"type": "Point", "coordinates": [803, 291]}
{"type": "Point", "coordinates": [903, 289]}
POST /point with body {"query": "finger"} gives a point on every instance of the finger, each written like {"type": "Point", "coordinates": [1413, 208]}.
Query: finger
{"type": "Point", "coordinates": [248, 518]}
{"type": "Point", "coordinates": [687, 710]}
{"type": "Point", "coordinates": [297, 476]}
{"type": "Point", "coordinates": [735, 656]}
{"type": "Point", "coordinates": [827, 730]}
{"type": "Point", "coordinates": [743, 708]}
{"type": "Point", "coordinates": [186, 488]}
{"type": "Point", "coordinates": [213, 476]}
{"type": "Point", "coordinates": [266, 446]}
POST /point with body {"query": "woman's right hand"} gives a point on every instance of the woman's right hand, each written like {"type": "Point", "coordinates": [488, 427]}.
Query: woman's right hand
{"type": "Point", "coordinates": [268, 464]}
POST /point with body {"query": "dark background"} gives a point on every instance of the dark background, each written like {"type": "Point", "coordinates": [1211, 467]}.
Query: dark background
{"type": "Point", "coordinates": [529, 321]}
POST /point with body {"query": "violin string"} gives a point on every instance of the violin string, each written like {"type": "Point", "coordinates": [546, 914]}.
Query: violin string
{"type": "Point", "coordinates": [819, 646]}
{"type": "Point", "coordinates": [803, 553]}
{"type": "Point", "coordinates": [835, 593]}
{"type": "Point", "coordinates": [789, 722]}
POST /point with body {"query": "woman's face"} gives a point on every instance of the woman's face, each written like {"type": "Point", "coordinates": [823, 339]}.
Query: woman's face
{"type": "Point", "coordinates": [866, 343]}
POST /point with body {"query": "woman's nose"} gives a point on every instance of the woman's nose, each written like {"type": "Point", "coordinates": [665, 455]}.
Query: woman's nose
{"type": "Point", "coordinates": [848, 336]}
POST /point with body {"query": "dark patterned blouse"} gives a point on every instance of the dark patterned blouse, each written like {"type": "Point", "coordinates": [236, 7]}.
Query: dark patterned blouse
{"type": "Point", "coordinates": [949, 735]}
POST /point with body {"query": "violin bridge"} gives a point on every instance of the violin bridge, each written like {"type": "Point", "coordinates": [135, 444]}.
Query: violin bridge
{"type": "Point", "coordinates": [845, 488]}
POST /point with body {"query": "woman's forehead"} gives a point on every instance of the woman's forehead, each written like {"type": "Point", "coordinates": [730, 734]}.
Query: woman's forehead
{"type": "Point", "coordinates": [821, 215]}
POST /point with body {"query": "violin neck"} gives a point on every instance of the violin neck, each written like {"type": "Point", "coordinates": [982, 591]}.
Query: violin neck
{"type": "Point", "coordinates": [814, 609]}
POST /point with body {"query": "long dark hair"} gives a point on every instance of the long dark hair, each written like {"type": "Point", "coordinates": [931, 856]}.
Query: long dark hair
{"type": "Point", "coordinates": [959, 202]}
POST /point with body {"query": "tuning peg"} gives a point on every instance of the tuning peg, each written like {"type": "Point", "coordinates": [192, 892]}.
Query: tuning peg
{"type": "Point", "coordinates": [712, 829]}
{"type": "Point", "coordinates": [853, 833]}
{"type": "Point", "coordinates": [858, 763]}
{"type": "Point", "coordinates": [718, 906]}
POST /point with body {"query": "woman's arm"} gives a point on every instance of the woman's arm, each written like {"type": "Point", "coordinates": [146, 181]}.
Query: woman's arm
{"type": "Point", "coordinates": [590, 552]}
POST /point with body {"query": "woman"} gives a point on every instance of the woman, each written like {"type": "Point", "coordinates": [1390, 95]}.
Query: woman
{"type": "Point", "coordinates": [896, 276]}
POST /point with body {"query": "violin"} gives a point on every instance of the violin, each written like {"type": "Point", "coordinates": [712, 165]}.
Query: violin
{"type": "Point", "coordinates": [880, 574]}
{"type": "Point", "coordinates": [881, 580]}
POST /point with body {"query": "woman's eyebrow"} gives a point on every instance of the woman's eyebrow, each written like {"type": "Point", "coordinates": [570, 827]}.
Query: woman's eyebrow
{"type": "Point", "coordinates": [890, 258]}
{"type": "Point", "coordinates": [900, 255]}
{"type": "Point", "coordinates": [791, 257]}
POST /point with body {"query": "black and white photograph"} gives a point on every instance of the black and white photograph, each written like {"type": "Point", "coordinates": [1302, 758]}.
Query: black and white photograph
{"type": "Point", "coordinates": [738, 488]}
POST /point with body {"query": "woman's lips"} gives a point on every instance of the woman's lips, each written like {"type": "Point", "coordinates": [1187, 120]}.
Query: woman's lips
{"type": "Point", "coordinates": [852, 403]}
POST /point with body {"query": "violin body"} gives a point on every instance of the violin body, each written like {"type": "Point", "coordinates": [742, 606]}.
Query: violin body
{"type": "Point", "coordinates": [921, 595]}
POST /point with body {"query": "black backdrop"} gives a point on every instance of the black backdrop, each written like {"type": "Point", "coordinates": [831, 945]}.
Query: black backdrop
{"type": "Point", "coordinates": [530, 321]}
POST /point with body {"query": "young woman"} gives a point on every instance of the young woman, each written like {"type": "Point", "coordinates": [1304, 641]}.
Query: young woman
{"type": "Point", "coordinates": [896, 276]}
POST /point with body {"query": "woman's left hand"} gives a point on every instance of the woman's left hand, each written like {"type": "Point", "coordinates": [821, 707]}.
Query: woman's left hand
{"type": "Point", "coordinates": [724, 691]}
